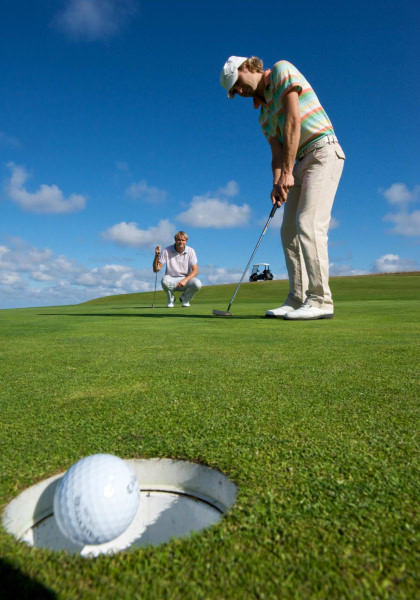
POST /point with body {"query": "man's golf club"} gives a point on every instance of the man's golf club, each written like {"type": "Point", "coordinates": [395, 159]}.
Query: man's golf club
{"type": "Point", "coordinates": [154, 295]}
{"type": "Point", "coordinates": [226, 313]}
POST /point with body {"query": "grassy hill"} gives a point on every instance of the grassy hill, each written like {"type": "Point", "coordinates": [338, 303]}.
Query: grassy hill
{"type": "Point", "coordinates": [384, 287]}
{"type": "Point", "coordinates": [317, 424]}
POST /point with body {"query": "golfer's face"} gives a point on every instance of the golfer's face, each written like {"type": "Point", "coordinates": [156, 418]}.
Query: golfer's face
{"type": "Point", "coordinates": [246, 84]}
{"type": "Point", "coordinates": [180, 244]}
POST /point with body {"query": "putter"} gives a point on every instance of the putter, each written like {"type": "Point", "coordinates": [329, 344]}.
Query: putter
{"type": "Point", "coordinates": [226, 313]}
{"type": "Point", "coordinates": [154, 295]}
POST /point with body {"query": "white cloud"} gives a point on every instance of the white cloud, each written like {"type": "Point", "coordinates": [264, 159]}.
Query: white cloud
{"type": "Point", "coordinates": [47, 199]}
{"type": "Point", "coordinates": [399, 195]}
{"type": "Point", "coordinates": [405, 223]}
{"type": "Point", "coordinates": [141, 191]}
{"type": "Point", "coordinates": [117, 277]}
{"type": "Point", "coordinates": [393, 263]}
{"type": "Point", "coordinates": [21, 257]}
{"type": "Point", "coordinates": [9, 278]}
{"type": "Point", "coordinates": [345, 270]}
{"type": "Point", "coordinates": [128, 234]}
{"type": "Point", "coordinates": [94, 19]}
{"type": "Point", "coordinates": [215, 211]}
{"type": "Point", "coordinates": [42, 274]}
{"type": "Point", "coordinates": [9, 140]}
{"type": "Point", "coordinates": [122, 165]}
{"type": "Point", "coordinates": [334, 224]}
{"type": "Point", "coordinates": [31, 276]}
{"type": "Point", "coordinates": [212, 212]}
{"type": "Point", "coordinates": [231, 189]}
{"type": "Point", "coordinates": [219, 275]}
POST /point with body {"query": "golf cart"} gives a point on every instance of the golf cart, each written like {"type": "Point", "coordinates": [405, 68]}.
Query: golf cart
{"type": "Point", "coordinates": [261, 271]}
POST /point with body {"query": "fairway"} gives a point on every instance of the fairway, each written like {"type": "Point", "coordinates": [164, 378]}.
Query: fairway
{"type": "Point", "coordinates": [315, 422]}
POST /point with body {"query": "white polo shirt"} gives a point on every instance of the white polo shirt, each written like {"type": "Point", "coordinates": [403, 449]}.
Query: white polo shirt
{"type": "Point", "coordinates": [178, 265]}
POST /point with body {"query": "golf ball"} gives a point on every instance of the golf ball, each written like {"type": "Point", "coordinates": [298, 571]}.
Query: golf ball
{"type": "Point", "coordinates": [96, 500]}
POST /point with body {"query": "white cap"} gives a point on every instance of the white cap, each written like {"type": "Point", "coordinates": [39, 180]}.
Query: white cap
{"type": "Point", "coordinates": [229, 74]}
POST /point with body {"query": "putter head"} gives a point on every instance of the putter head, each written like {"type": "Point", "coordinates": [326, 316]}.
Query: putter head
{"type": "Point", "coordinates": [222, 313]}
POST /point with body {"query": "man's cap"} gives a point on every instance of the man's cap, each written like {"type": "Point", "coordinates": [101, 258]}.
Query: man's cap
{"type": "Point", "coordinates": [229, 74]}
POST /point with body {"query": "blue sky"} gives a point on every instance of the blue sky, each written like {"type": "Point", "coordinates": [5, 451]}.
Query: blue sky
{"type": "Point", "coordinates": [115, 133]}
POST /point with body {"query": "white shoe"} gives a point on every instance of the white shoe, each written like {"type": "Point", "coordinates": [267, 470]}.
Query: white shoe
{"type": "Point", "coordinates": [184, 303]}
{"type": "Point", "coordinates": [171, 300]}
{"type": "Point", "coordinates": [309, 313]}
{"type": "Point", "coordinates": [278, 313]}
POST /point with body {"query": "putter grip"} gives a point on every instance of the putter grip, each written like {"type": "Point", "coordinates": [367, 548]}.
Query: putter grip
{"type": "Point", "coordinates": [273, 211]}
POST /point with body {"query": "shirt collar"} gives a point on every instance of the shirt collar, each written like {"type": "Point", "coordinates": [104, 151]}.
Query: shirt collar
{"type": "Point", "coordinates": [257, 101]}
{"type": "Point", "coordinates": [180, 253]}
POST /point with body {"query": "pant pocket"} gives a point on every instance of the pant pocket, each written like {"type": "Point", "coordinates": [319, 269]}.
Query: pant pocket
{"type": "Point", "coordinates": [337, 169]}
{"type": "Point", "coordinates": [321, 154]}
{"type": "Point", "coordinates": [339, 151]}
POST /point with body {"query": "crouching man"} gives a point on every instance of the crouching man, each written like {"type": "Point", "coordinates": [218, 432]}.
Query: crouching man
{"type": "Point", "coordinates": [181, 270]}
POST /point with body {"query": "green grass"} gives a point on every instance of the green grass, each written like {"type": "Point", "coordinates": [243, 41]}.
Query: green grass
{"type": "Point", "coordinates": [316, 422]}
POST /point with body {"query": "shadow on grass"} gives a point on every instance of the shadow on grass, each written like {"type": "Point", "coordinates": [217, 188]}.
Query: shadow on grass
{"type": "Point", "coordinates": [18, 586]}
{"type": "Point", "coordinates": [151, 315]}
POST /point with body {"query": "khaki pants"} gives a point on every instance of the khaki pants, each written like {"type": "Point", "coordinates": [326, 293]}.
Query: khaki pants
{"type": "Point", "coordinates": [170, 285]}
{"type": "Point", "coordinates": [304, 232]}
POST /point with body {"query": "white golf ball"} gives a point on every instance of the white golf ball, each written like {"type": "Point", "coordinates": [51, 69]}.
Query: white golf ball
{"type": "Point", "coordinates": [96, 500]}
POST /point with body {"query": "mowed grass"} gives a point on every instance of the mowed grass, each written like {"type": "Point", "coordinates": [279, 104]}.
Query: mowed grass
{"type": "Point", "coordinates": [316, 423]}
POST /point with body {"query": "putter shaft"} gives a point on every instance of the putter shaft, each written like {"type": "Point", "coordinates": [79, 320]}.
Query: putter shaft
{"type": "Point", "coordinates": [272, 213]}
{"type": "Point", "coordinates": [226, 313]}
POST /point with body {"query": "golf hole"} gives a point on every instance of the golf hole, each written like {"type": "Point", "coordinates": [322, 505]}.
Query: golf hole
{"type": "Point", "coordinates": [176, 498]}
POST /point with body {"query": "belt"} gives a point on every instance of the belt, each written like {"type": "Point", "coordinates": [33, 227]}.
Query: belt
{"type": "Point", "coordinates": [320, 143]}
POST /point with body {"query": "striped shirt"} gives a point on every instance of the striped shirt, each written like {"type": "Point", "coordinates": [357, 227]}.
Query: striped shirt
{"type": "Point", "coordinates": [314, 120]}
